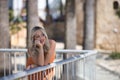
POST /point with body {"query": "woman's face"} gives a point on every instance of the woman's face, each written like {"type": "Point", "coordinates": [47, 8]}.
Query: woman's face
{"type": "Point", "coordinates": [38, 35]}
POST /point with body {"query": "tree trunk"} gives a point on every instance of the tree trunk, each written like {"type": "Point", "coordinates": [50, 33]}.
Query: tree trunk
{"type": "Point", "coordinates": [4, 34]}
{"type": "Point", "coordinates": [32, 18]}
{"type": "Point", "coordinates": [4, 25]}
{"type": "Point", "coordinates": [70, 37]}
{"type": "Point", "coordinates": [89, 22]}
{"type": "Point", "coordinates": [70, 31]}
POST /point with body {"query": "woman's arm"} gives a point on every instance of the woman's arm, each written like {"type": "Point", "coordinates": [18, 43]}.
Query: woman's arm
{"type": "Point", "coordinates": [51, 53]}
{"type": "Point", "coordinates": [38, 54]}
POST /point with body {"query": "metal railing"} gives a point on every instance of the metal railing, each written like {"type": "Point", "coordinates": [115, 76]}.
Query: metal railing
{"type": "Point", "coordinates": [69, 65]}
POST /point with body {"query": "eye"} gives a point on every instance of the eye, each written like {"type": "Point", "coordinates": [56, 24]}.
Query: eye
{"type": "Point", "coordinates": [43, 35]}
{"type": "Point", "coordinates": [36, 36]}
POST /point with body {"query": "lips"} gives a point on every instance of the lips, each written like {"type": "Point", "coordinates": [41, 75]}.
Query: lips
{"type": "Point", "coordinates": [41, 41]}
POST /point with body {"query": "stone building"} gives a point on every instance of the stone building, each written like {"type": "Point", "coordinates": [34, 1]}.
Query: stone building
{"type": "Point", "coordinates": [107, 24]}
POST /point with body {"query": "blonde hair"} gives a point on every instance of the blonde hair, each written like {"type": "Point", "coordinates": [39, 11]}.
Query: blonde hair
{"type": "Point", "coordinates": [47, 44]}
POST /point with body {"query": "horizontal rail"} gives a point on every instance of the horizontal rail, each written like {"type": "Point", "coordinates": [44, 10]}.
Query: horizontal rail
{"type": "Point", "coordinates": [35, 70]}
{"type": "Point", "coordinates": [63, 51]}
{"type": "Point", "coordinates": [13, 50]}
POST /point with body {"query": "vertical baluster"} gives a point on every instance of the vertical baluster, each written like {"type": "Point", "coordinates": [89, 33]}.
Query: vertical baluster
{"type": "Point", "coordinates": [15, 65]}
{"type": "Point", "coordinates": [21, 62]}
{"type": "Point", "coordinates": [90, 68]}
{"type": "Point", "coordinates": [9, 58]}
{"type": "Point", "coordinates": [62, 68]}
{"type": "Point", "coordinates": [37, 76]}
{"type": "Point", "coordinates": [68, 67]}
{"type": "Point", "coordinates": [30, 77]}
{"type": "Point", "coordinates": [84, 67]}
{"type": "Point", "coordinates": [56, 72]}
{"type": "Point", "coordinates": [24, 78]}
{"type": "Point", "coordinates": [18, 59]}
{"type": "Point", "coordinates": [73, 69]}
{"type": "Point", "coordinates": [87, 68]}
{"type": "Point", "coordinates": [77, 70]}
{"type": "Point", "coordinates": [61, 72]}
{"type": "Point", "coordinates": [25, 60]}
{"type": "Point", "coordinates": [34, 76]}
{"type": "Point", "coordinates": [94, 67]}
{"type": "Point", "coordinates": [79, 66]}
{"type": "Point", "coordinates": [4, 65]}
{"type": "Point", "coordinates": [53, 77]}
{"type": "Point", "coordinates": [88, 71]}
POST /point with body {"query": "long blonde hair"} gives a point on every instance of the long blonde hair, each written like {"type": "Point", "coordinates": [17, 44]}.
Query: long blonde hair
{"type": "Point", "coordinates": [47, 44]}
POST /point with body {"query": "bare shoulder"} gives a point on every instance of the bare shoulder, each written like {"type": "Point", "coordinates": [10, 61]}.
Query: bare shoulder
{"type": "Point", "coordinates": [52, 42]}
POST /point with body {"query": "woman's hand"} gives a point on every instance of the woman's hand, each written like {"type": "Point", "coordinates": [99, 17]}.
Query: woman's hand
{"type": "Point", "coordinates": [31, 66]}
{"type": "Point", "coordinates": [38, 44]}
{"type": "Point", "coordinates": [42, 41]}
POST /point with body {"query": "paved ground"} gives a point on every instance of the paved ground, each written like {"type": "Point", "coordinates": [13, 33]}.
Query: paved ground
{"type": "Point", "coordinates": [102, 74]}
{"type": "Point", "coordinates": [109, 64]}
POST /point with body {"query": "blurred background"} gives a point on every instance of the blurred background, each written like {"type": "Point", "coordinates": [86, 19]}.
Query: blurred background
{"type": "Point", "coordinates": [73, 24]}
{"type": "Point", "coordinates": [54, 16]}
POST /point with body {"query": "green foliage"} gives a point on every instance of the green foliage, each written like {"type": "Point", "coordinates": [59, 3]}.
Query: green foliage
{"type": "Point", "coordinates": [118, 12]}
{"type": "Point", "coordinates": [14, 28]}
{"type": "Point", "coordinates": [14, 23]}
{"type": "Point", "coordinates": [11, 17]}
{"type": "Point", "coordinates": [18, 20]}
{"type": "Point", "coordinates": [115, 55]}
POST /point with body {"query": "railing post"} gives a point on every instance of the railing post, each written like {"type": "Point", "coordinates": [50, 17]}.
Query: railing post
{"type": "Point", "coordinates": [65, 69]}
{"type": "Point", "coordinates": [68, 69]}
{"type": "Point", "coordinates": [79, 69]}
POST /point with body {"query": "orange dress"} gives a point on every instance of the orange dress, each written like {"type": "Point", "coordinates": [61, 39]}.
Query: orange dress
{"type": "Point", "coordinates": [46, 75]}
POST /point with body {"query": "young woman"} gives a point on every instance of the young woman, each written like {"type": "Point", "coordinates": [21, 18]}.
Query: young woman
{"type": "Point", "coordinates": [41, 53]}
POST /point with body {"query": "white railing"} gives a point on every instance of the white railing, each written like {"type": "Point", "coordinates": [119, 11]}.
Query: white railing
{"type": "Point", "coordinates": [69, 65]}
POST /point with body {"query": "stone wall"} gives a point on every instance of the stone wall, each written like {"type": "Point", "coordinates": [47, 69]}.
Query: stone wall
{"type": "Point", "coordinates": [106, 24]}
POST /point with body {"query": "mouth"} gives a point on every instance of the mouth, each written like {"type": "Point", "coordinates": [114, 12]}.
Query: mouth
{"type": "Point", "coordinates": [41, 41]}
